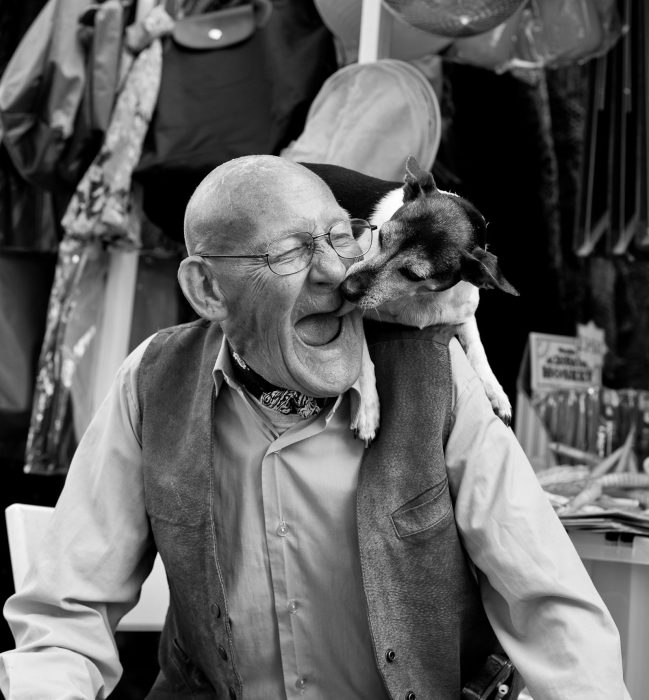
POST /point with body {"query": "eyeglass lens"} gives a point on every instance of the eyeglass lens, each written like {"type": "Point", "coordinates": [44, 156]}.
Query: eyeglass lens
{"type": "Point", "coordinates": [350, 239]}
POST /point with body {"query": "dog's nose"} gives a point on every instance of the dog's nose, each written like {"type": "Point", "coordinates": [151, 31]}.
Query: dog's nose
{"type": "Point", "coordinates": [353, 287]}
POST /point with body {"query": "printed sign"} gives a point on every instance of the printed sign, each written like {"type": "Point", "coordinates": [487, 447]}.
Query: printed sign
{"type": "Point", "coordinates": [558, 362]}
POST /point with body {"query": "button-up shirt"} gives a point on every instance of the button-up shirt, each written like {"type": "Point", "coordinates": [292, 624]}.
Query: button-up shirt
{"type": "Point", "coordinates": [287, 540]}
{"type": "Point", "coordinates": [285, 517]}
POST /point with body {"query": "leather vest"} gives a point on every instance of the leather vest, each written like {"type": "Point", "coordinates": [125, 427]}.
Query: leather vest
{"type": "Point", "coordinates": [427, 623]}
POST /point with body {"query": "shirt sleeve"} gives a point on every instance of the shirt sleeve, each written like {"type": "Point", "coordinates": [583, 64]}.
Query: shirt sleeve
{"type": "Point", "coordinates": [95, 555]}
{"type": "Point", "coordinates": [537, 594]}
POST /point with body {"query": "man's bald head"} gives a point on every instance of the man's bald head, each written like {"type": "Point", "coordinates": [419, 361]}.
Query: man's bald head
{"type": "Point", "coordinates": [227, 205]}
{"type": "Point", "coordinates": [285, 325]}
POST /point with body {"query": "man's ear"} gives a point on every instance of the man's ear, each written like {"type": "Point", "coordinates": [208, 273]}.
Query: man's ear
{"type": "Point", "coordinates": [201, 289]}
{"type": "Point", "coordinates": [481, 269]}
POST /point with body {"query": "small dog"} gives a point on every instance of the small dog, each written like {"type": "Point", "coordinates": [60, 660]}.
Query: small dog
{"type": "Point", "coordinates": [424, 268]}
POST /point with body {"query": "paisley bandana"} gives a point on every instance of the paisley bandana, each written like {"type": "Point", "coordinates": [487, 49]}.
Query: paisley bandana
{"type": "Point", "coordinates": [285, 401]}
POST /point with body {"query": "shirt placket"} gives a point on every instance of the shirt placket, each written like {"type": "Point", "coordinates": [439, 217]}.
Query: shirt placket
{"type": "Point", "coordinates": [284, 552]}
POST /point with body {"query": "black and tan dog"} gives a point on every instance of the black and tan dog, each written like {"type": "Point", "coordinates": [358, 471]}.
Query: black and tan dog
{"type": "Point", "coordinates": [424, 268]}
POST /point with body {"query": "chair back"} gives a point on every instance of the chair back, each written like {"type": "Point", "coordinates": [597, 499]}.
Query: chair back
{"type": "Point", "coordinates": [26, 525]}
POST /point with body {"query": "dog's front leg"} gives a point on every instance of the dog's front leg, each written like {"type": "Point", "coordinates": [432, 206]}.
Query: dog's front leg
{"type": "Point", "coordinates": [366, 421]}
{"type": "Point", "coordinates": [469, 338]}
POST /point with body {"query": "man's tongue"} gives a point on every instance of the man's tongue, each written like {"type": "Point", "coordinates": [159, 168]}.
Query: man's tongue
{"type": "Point", "coordinates": [318, 329]}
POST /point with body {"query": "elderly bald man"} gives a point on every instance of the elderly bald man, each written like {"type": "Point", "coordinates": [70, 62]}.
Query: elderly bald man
{"type": "Point", "coordinates": [279, 317]}
{"type": "Point", "coordinates": [299, 563]}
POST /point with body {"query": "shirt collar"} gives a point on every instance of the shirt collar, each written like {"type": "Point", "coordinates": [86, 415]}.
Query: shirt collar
{"type": "Point", "coordinates": [223, 372]}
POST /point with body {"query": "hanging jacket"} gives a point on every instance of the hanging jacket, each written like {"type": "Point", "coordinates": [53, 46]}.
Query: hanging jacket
{"type": "Point", "coordinates": [48, 138]}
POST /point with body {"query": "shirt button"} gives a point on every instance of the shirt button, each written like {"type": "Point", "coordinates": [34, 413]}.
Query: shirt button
{"type": "Point", "coordinates": [390, 656]}
{"type": "Point", "coordinates": [282, 529]}
{"type": "Point", "coordinates": [300, 683]}
{"type": "Point", "coordinates": [410, 695]}
{"type": "Point", "coordinates": [222, 652]}
{"type": "Point", "coordinates": [216, 609]}
{"type": "Point", "coordinates": [292, 606]}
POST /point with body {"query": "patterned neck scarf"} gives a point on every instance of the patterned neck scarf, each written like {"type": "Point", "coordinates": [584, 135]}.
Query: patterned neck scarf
{"type": "Point", "coordinates": [285, 401]}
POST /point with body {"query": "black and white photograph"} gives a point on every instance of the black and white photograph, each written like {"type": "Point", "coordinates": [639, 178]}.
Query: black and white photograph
{"type": "Point", "coordinates": [324, 349]}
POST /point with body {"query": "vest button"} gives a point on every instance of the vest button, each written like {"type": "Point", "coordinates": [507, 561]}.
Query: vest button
{"type": "Point", "coordinates": [390, 656]}
{"type": "Point", "coordinates": [410, 695]}
{"type": "Point", "coordinates": [216, 609]}
{"type": "Point", "coordinates": [222, 652]}
{"type": "Point", "coordinates": [233, 693]}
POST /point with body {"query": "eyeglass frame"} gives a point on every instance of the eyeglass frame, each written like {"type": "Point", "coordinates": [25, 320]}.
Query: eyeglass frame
{"type": "Point", "coordinates": [372, 228]}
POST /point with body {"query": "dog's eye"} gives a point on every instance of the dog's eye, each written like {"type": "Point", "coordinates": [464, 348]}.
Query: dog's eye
{"type": "Point", "coordinates": [410, 275]}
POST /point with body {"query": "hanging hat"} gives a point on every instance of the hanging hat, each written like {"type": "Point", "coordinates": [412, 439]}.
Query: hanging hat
{"type": "Point", "coordinates": [343, 19]}
{"type": "Point", "coordinates": [453, 18]}
{"type": "Point", "coordinates": [370, 117]}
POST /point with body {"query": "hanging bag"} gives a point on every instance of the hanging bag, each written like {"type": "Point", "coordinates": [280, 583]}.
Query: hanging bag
{"type": "Point", "coordinates": [211, 78]}
{"type": "Point", "coordinates": [217, 30]}
{"type": "Point", "coordinates": [236, 81]}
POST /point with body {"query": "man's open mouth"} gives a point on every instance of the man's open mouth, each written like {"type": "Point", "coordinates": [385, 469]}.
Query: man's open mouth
{"type": "Point", "coordinates": [318, 329]}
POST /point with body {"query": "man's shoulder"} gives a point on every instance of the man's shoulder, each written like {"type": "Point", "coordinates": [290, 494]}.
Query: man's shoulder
{"type": "Point", "coordinates": [197, 326]}
{"type": "Point", "coordinates": [462, 373]}
{"type": "Point", "coordinates": [180, 336]}
{"type": "Point", "coordinates": [187, 350]}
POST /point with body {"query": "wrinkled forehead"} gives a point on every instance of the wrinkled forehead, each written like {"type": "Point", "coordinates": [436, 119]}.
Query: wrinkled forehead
{"type": "Point", "coordinates": [298, 202]}
{"type": "Point", "coordinates": [268, 189]}
{"type": "Point", "coordinates": [250, 201]}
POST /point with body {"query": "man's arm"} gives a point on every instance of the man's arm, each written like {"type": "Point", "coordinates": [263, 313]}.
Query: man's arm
{"type": "Point", "coordinates": [96, 553]}
{"type": "Point", "coordinates": [537, 594]}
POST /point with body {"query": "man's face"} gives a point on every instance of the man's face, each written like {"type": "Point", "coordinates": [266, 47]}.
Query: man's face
{"type": "Point", "coordinates": [284, 327]}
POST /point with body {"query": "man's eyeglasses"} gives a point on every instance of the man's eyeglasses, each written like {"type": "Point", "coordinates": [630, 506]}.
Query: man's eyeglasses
{"type": "Point", "coordinates": [350, 239]}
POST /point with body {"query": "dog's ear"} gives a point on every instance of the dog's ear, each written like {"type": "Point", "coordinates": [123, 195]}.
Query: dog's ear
{"type": "Point", "coordinates": [481, 269]}
{"type": "Point", "coordinates": [417, 181]}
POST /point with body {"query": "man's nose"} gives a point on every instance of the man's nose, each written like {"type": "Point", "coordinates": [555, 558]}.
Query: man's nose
{"type": "Point", "coordinates": [327, 267]}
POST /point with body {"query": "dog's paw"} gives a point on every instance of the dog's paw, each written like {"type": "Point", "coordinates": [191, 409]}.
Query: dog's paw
{"type": "Point", "coordinates": [366, 422]}
{"type": "Point", "coordinates": [505, 415]}
{"type": "Point", "coordinates": [499, 402]}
